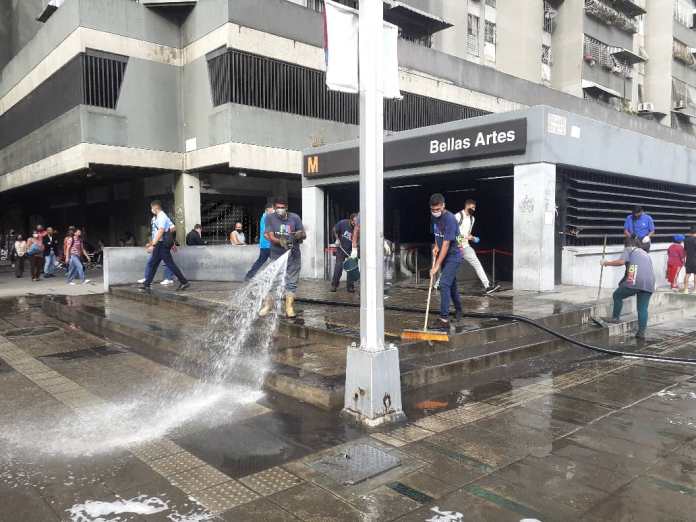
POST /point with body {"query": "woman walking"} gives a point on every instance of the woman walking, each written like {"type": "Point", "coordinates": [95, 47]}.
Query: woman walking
{"type": "Point", "coordinates": [20, 252]}
{"type": "Point", "coordinates": [74, 251]}
{"type": "Point", "coordinates": [35, 250]}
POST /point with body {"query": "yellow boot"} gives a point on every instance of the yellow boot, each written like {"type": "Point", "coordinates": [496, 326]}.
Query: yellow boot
{"type": "Point", "coordinates": [267, 306]}
{"type": "Point", "coordinates": [289, 305]}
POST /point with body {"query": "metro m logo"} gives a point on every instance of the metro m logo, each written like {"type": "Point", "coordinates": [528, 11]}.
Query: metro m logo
{"type": "Point", "coordinates": [312, 164]}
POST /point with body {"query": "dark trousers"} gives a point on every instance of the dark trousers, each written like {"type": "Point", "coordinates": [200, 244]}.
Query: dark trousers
{"type": "Point", "coordinates": [448, 287]}
{"type": "Point", "coordinates": [642, 302]}
{"type": "Point", "coordinates": [162, 253]}
{"type": "Point", "coordinates": [19, 266]}
{"type": "Point", "coordinates": [341, 256]}
{"type": "Point", "coordinates": [264, 254]}
{"type": "Point", "coordinates": [36, 262]}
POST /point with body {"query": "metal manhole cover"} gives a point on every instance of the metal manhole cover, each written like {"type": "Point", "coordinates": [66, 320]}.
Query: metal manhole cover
{"type": "Point", "coordinates": [35, 330]}
{"type": "Point", "coordinates": [357, 463]}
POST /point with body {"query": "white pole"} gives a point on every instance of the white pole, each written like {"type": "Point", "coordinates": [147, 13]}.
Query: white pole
{"type": "Point", "coordinates": [373, 380]}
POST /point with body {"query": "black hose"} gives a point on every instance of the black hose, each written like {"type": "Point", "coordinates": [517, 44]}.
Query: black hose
{"type": "Point", "coordinates": [571, 340]}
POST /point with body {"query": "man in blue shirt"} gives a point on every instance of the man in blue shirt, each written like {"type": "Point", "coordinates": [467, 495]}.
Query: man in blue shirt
{"type": "Point", "coordinates": [162, 242]}
{"type": "Point", "coordinates": [264, 244]}
{"type": "Point", "coordinates": [343, 231]}
{"type": "Point", "coordinates": [641, 225]}
{"type": "Point", "coordinates": [447, 257]}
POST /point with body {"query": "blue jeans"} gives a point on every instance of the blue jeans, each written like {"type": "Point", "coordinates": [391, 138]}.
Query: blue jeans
{"type": "Point", "coordinates": [642, 302]}
{"type": "Point", "coordinates": [50, 263]}
{"type": "Point", "coordinates": [160, 254]}
{"type": "Point", "coordinates": [148, 266]}
{"type": "Point", "coordinates": [448, 287]}
{"type": "Point", "coordinates": [75, 269]}
{"type": "Point", "coordinates": [264, 254]}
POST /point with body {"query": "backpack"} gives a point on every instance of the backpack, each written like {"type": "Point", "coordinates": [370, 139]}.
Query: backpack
{"type": "Point", "coordinates": [34, 249]}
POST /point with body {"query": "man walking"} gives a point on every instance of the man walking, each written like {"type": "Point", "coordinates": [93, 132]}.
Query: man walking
{"type": "Point", "coordinates": [640, 224]}
{"type": "Point", "coordinates": [447, 258]}
{"type": "Point", "coordinates": [195, 237]}
{"type": "Point", "coordinates": [264, 244]}
{"type": "Point", "coordinates": [465, 220]}
{"type": "Point", "coordinates": [285, 231]}
{"type": "Point", "coordinates": [690, 264]}
{"type": "Point", "coordinates": [162, 242]}
{"type": "Point", "coordinates": [343, 232]}
{"type": "Point", "coordinates": [50, 243]}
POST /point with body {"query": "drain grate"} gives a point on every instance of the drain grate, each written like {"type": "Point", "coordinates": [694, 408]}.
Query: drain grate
{"type": "Point", "coordinates": [356, 464]}
{"type": "Point", "coordinates": [87, 353]}
{"type": "Point", "coordinates": [31, 331]}
{"type": "Point", "coordinates": [411, 493]}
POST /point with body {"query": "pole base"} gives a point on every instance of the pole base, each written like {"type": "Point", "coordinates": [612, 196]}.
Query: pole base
{"type": "Point", "coordinates": [373, 386]}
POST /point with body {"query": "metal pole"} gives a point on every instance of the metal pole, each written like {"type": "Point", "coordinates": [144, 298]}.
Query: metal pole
{"type": "Point", "coordinates": [493, 268]}
{"type": "Point", "coordinates": [373, 383]}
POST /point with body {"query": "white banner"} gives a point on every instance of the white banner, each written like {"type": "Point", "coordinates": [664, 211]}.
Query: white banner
{"type": "Point", "coordinates": [341, 47]}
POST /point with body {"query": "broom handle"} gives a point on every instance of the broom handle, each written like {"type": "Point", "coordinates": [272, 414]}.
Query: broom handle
{"type": "Point", "coordinates": [427, 307]}
{"type": "Point", "coordinates": [601, 271]}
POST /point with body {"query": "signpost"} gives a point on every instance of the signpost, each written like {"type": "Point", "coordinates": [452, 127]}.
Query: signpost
{"type": "Point", "coordinates": [373, 380]}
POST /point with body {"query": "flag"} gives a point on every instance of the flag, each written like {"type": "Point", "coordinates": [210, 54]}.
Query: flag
{"type": "Point", "coordinates": [341, 51]}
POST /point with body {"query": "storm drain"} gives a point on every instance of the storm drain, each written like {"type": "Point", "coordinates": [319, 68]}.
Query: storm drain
{"type": "Point", "coordinates": [356, 464]}
{"type": "Point", "coordinates": [87, 353]}
{"type": "Point", "coordinates": [32, 331]}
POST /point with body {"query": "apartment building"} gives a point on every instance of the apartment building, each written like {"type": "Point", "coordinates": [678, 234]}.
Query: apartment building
{"type": "Point", "coordinates": [210, 105]}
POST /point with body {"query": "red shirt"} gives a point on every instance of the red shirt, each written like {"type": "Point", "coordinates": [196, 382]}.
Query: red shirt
{"type": "Point", "coordinates": [676, 255]}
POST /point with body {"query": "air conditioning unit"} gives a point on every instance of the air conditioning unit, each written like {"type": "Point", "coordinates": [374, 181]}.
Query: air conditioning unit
{"type": "Point", "coordinates": [646, 107]}
{"type": "Point", "coordinates": [680, 104]}
{"type": "Point", "coordinates": [616, 69]}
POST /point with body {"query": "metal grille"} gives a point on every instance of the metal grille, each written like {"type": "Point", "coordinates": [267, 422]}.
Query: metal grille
{"type": "Point", "coordinates": [318, 5]}
{"type": "Point", "coordinates": [490, 3]}
{"type": "Point", "coordinates": [549, 24]}
{"type": "Point", "coordinates": [597, 204]}
{"type": "Point", "coordinates": [546, 55]}
{"type": "Point", "coordinates": [681, 52]}
{"type": "Point", "coordinates": [489, 35]}
{"type": "Point", "coordinates": [472, 35]}
{"type": "Point", "coordinates": [684, 12]}
{"type": "Point", "coordinates": [257, 81]}
{"type": "Point", "coordinates": [102, 77]}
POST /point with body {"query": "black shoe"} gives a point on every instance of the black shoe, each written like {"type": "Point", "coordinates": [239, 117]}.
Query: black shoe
{"type": "Point", "coordinates": [613, 320]}
{"type": "Point", "coordinates": [351, 289]}
{"type": "Point", "coordinates": [183, 286]}
{"type": "Point", "coordinates": [458, 316]}
{"type": "Point", "coordinates": [640, 334]}
{"type": "Point", "coordinates": [145, 289]}
{"type": "Point", "coordinates": [333, 289]}
{"type": "Point", "coordinates": [441, 325]}
{"type": "Point", "coordinates": [490, 289]}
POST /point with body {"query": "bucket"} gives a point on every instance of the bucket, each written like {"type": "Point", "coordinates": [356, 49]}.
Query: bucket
{"type": "Point", "coordinates": [352, 268]}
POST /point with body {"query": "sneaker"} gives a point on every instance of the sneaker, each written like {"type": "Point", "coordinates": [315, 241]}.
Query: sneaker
{"type": "Point", "coordinates": [333, 289]}
{"type": "Point", "coordinates": [441, 325]}
{"type": "Point", "coordinates": [141, 281]}
{"type": "Point", "coordinates": [145, 289]}
{"type": "Point", "coordinates": [640, 334]}
{"type": "Point", "coordinates": [183, 286]}
{"type": "Point", "coordinates": [167, 282]}
{"type": "Point", "coordinates": [86, 281]}
{"type": "Point", "coordinates": [72, 283]}
{"type": "Point", "coordinates": [490, 289]}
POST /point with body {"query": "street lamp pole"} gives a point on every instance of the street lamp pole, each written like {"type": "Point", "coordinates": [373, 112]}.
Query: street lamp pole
{"type": "Point", "coordinates": [373, 381]}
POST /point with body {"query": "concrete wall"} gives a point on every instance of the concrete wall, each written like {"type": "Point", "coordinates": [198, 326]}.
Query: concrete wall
{"type": "Point", "coordinates": [658, 45]}
{"type": "Point", "coordinates": [567, 47]}
{"type": "Point", "coordinates": [520, 31]}
{"type": "Point", "coordinates": [123, 265]}
{"type": "Point", "coordinates": [5, 32]}
{"type": "Point", "coordinates": [581, 265]}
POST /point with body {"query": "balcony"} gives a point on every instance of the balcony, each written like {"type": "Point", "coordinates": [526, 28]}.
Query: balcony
{"type": "Point", "coordinates": [682, 53]}
{"type": "Point", "coordinates": [608, 14]}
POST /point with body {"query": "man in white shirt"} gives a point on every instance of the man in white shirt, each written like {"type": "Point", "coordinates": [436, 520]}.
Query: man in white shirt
{"type": "Point", "coordinates": [465, 219]}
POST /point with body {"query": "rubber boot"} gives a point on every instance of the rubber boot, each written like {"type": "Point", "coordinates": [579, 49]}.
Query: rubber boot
{"type": "Point", "coordinates": [267, 306]}
{"type": "Point", "coordinates": [290, 305]}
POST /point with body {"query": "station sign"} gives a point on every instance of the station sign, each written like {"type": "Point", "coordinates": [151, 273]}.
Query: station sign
{"type": "Point", "coordinates": [494, 139]}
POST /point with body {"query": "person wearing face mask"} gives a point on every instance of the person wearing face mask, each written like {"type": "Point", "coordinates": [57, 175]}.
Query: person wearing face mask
{"type": "Point", "coordinates": [465, 220]}
{"type": "Point", "coordinates": [237, 236]}
{"type": "Point", "coordinates": [343, 231]}
{"type": "Point", "coordinates": [447, 258]}
{"type": "Point", "coordinates": [285, 232]}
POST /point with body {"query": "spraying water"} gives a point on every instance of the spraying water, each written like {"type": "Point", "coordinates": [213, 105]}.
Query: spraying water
{"type": "Point", "coordinates": [232, 357]}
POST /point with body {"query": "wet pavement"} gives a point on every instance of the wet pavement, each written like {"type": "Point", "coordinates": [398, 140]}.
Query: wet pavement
{"type": "Point", "coordinates": [567, 437]}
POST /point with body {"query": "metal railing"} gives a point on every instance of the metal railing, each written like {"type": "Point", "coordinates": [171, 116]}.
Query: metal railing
{"type": "Point", "coordinates": [102, 77]}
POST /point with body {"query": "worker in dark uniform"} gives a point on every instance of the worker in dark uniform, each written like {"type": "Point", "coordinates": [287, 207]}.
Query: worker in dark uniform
{"type": "Point", "coordinates": [343, 231]}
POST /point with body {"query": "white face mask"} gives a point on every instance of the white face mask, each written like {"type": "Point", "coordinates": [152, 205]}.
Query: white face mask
{"type": "Point", "coordinates": [282, 212]}
{"type": "Point", "coordinates": [437, 214]}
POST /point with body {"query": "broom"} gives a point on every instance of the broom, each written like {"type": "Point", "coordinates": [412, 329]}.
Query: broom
{"type": "Point", "coordinates": [596, 320]}
{"type": "Point", "coordinates": [425, 334]}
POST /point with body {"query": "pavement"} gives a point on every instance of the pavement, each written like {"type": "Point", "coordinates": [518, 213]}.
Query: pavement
{"type": "Point", "coordinates": [91, 430]}
{"type": "Point", "coordinates": [12, 286]}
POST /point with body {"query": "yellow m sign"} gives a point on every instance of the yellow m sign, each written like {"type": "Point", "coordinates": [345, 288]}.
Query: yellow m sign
{"type": "Point", "coordinates": [312, 164]}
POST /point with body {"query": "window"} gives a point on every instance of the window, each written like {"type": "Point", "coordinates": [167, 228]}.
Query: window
{"type": "Point", "coordinates": [549, 15]}
{"type": "Point", "coordinates": [490, 3]}
{"type": "Point", "coordinates": [102, 77]}
{"type": "Point", "coordinates": [683, 12]}
{"type": "Point", "coordinates": [680, 52]}
{"type": "Point", "coordinates": [253, 80]}
{"type": "Point", "coordinates": [490, 33]}
{"type": "Point", "coordinates": [546, 55]}
{"type": "Point", "coordinates": [472, 36]}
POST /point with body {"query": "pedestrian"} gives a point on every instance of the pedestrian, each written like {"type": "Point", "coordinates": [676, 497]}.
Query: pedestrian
{"type": "Point", "coordinates": [20, 253]}
{"type": "Point", "coordinates": [41, 231]}
{"type": "Point", "coordinates": [162, 243]}
{"type": "Point", "coordinates": [9, 246]}
{"type": "Point", "coordinates": [195, 237]}
{"type": "Point", "coordinates": [676, 256]}
{"type": "Point", "coordinates": [237, 236]}
{"type": "Point", "coordinates": [690, 263]}
{"type": "Point", "coordinates": [50, 254]}
{"type": "Point", "coordinates": [447, 258]}
{"type": "Point", "coordinates": [639, 280]}
{"type": "Point", "coordinates": [168, 278]}
{"type": "Point", "coordinates": [343, 233]}
{"type": "Point", "coordinates": [66, 247]}
{"type": "Point", "coordinates": [75, 249]}
{"type": "Point", "coordinates": [264, 244]}
{"type": "Point", "coordinates": [285, 232]}
{"type": "Point", "coordinates": [465, 220]}
{"type": "Point", "coordinates": [35, 250]}
{"type": "Point", "coordinates": [640, 224]}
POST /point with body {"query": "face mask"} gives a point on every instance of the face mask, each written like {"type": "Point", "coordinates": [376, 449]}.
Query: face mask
{"type": "Point", "coordinates": [239, 230]}
{"type": "Point", "coordinates": [282, 212]}
{"type": "Point", "coordinates": [437, 214]}
{"type": "Point", "coordinates": [471, 211]}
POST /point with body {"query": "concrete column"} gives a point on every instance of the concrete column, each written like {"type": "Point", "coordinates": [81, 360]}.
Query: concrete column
{"type": "Point", "coordinates": [187, 204]}
{"type": "Point", "coordinates": [313, 220]}
{"type": "Point", "coordinates": [534, 227]}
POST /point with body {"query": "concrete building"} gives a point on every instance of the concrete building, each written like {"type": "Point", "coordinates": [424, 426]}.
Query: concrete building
{"type": "Point", "coordinates": [208, 105]}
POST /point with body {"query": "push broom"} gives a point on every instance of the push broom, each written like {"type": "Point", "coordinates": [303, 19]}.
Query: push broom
{"type": "Point", "coordinates": [425, 334]}
{"type": "Point", "coordinates": [596, 320]}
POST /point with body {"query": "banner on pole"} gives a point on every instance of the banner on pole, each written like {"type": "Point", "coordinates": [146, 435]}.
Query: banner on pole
{"type": "Point", "coordinates": [341, 51]}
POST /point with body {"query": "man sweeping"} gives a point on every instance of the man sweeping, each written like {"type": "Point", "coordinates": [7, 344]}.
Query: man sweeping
{"type": "Point", "coordinates": [465, 219]}
{"type": "Point", "coordinates": [285, 231]}
{"type": "Point", "coordinates": [447, 258]}
{"type": "Point", "coordinates": [343, 231]}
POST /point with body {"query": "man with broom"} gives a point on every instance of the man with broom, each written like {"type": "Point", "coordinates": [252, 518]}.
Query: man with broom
{"type": "Point", "coordinates": [447, 258]}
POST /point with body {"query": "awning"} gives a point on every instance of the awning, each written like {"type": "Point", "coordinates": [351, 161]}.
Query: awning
{"type": "Point", "coordinates": [411, 20]}
{"type": "Point", "coordinates": [629, 57]}
{"type": "Point", "coordinates": [596, 89]}
{"type": "Point", "coordinates": [50, 8]}
{"type": "Point", "coordinates": [630, 8]}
